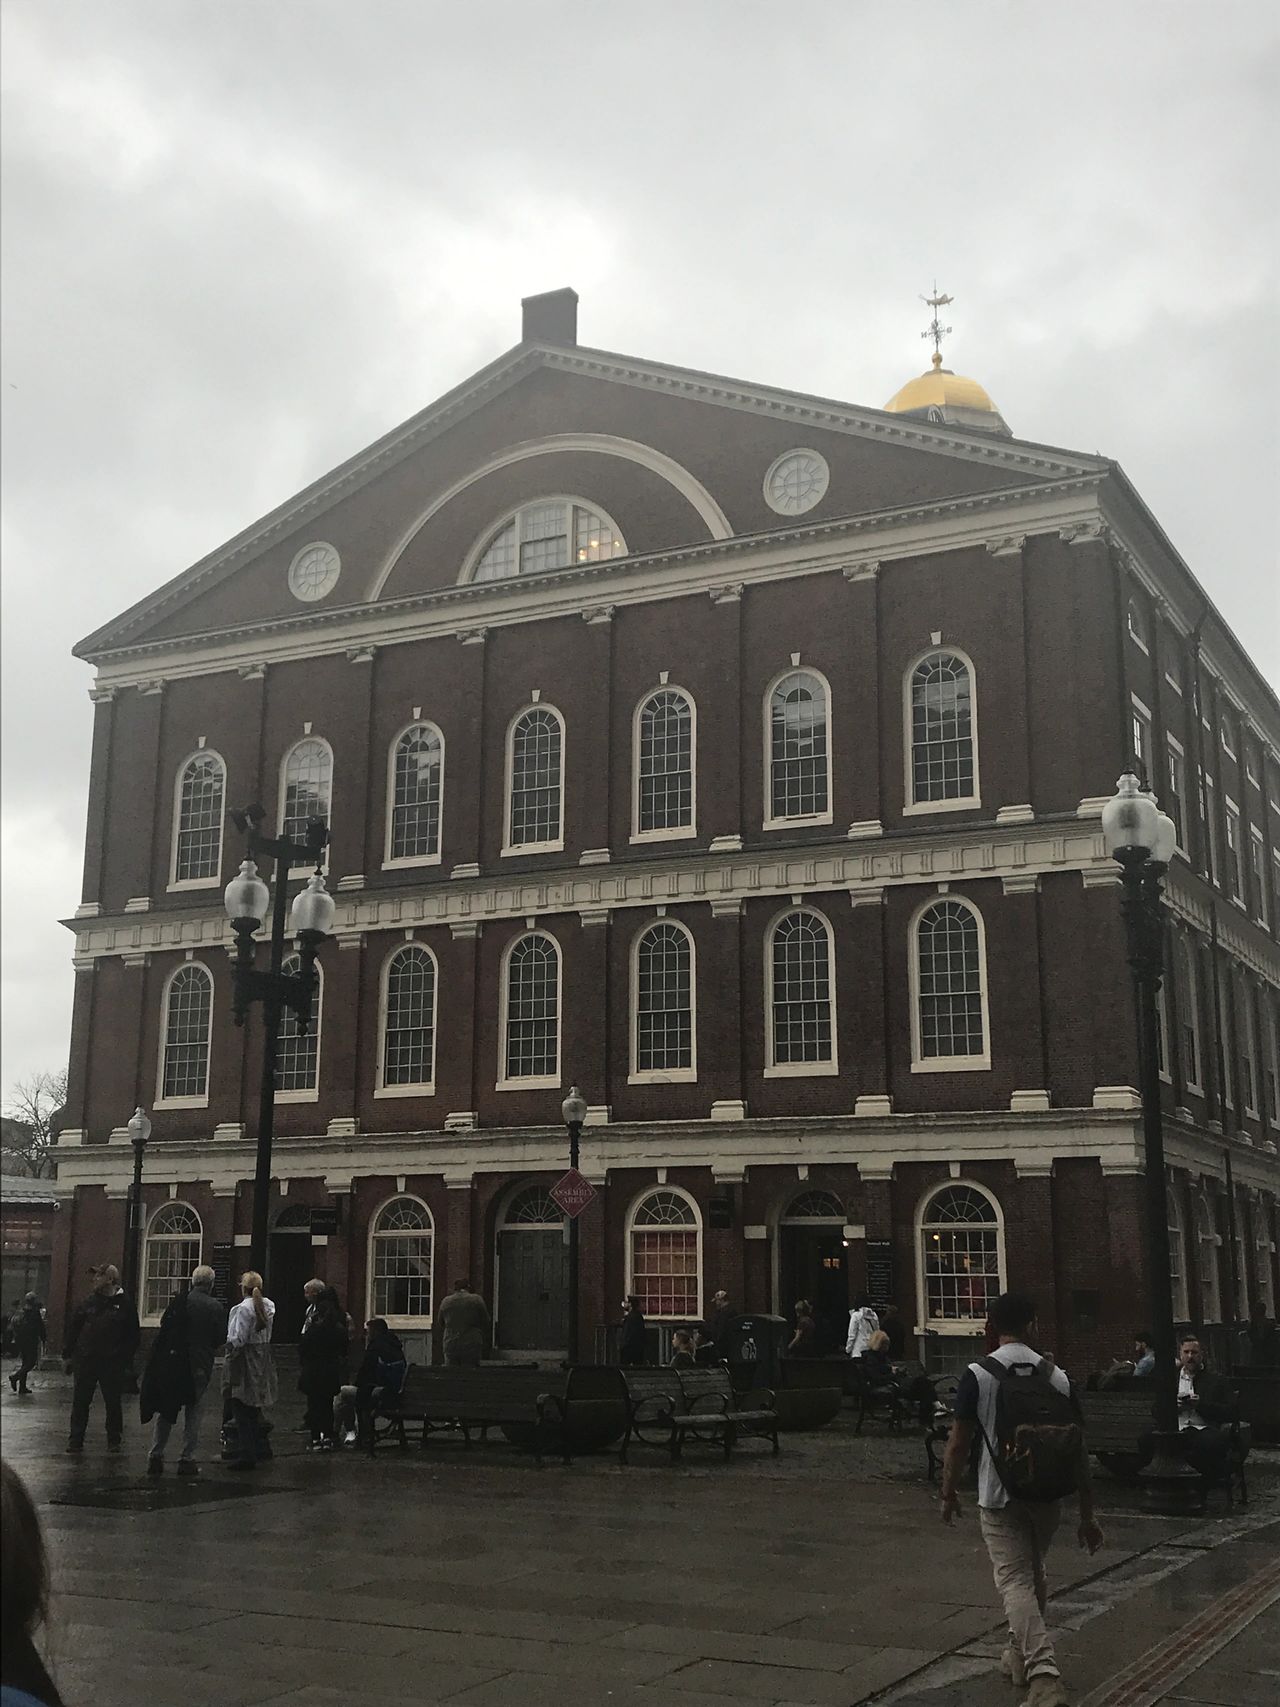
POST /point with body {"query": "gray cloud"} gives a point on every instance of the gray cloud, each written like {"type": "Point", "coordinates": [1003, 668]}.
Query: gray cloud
{"type": "Point", "coordinates": [242, 241]}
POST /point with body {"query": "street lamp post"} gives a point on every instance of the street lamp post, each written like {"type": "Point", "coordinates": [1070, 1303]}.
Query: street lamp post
{"type": "Point", "coordinates": [574, 1111]}
{"type": "Point", "coordinates": [139, 1130]}
{"type": "Point", "coordinates": [1141, 838]}
{"type": "Point", "coordinates": [247, 899]}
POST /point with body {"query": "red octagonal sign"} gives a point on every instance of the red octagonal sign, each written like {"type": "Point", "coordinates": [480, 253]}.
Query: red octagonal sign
{"type": "Point", "coordinates": [573, 1192]}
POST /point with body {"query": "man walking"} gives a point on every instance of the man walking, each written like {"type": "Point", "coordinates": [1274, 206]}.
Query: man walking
{"type": "Point", "coordinates": [464, 1324]}
{"type": "Point", "coordinates": [29, 1335]}
{"type": "Point", "coordinates": [102, 1337]}
{"type": "Point", "coordinates": [193, 1330]}
{"type": "Point", "coordinates": [1019, 1497]}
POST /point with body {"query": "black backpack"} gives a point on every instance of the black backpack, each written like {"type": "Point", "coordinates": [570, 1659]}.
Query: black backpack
{"type": "Point", "coordinates": [1038, 1436]}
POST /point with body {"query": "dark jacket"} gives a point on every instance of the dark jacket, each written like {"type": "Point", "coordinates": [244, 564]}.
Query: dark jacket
{"type": "Point", "coordinates": [718, 1327]}
{"type": "Point", "coordinates": [206, 1331]}
{"type": "Point", "coordinates": [322, 1351]}
{"type": "Point", "coordinates": [104, 1329]}
{"type": "Point", "coordinates": [893, 1326]}
{"type": "Point", "coordinates": [29, 1332]}
{"type": "Point", "coordinates": [1215, 1397]}
{"type": "Point", "coordinates": [168, 1381]}
{"type": "Point", "coordinates": [382, 1366]}
{"type": "Point", "coordinates": [632, 1340]}
{"type": "Point", "coordinates": [1264, 1344]}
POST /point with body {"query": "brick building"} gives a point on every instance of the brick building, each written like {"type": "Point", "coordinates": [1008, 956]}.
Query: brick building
{"type": "Point", "coordinates": [738, 756]}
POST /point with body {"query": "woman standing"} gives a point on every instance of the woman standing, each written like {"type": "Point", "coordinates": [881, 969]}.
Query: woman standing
{"type": "Point", "coordinates": [323, 1351]}
{"type": "Point", "coordinates": [249, 1374]}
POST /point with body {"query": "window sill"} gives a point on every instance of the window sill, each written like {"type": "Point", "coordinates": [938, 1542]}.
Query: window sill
{"type": "Point", "coordinates": [296, 1096]}
{"type": "Point", "coordinates": [803, 1070]}
{"type": "Point", "coordinates": [917, 809]}
{"type": "Point", "coordinates": [408, 862]}
{"type": "Point", "coordinates": [954, 1064]}
{"type": "Point", "coordinates": [427, 1090]}
{"type": "Point", "coordinates": [676, 1076]}
{"type": "Point", "coordinates": [412, 1323]}
{"type": "Point", "coordinates": [515, 852]}
{"type": "Point", "coordinates": [1140, 644]}
{"type": "Point", "coordinates": [181, 884]}
{"type": "Point", "coordinates": [801, 821]}
{"type": "Point", "coordinates": [969, 1329]}
{"type": "Point", "coordinates": [181, 1102]}
{"type": "Point", "coordinates": [682, 833]}
{"type": "Point", "coordinates": [546, 1083]}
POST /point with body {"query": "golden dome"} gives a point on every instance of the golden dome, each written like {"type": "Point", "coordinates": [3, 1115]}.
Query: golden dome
{"type": "Point", "coordinates": [940, 389]}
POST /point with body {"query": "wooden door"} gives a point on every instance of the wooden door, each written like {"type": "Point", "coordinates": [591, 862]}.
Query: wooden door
{"type": "Point", "coordinates": [533, 1289]}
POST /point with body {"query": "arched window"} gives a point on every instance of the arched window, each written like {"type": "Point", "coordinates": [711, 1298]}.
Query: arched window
{"type": "Point", "coordinates": [197, 837]}
{"type": "Point", "coordinates": [1185, 990]}
{"type": "Point", "coordinates": [550, 534]}
{"type": "Point", "coordinates": [815, 1206]}
{"type": "Point", "coordinates": [417, 787]}
{"type": "Point", "coordinates": [943, 761]}
{"type": "Point", "coordinates": [801, 1036]}
{"type": "Point", "coordinates": [664, 1256]}
{"type": "Point", "coordinates": [798, 744]}
{"type": "Point", "coordinates": [307, 788]}
{"type": "Point", "coordinates": [531, 1018]}
{"type": "Point", "coordinates": [662, 1032]}
{"type": "Point", "coordinates": [535, 781]}
{"type": "Point", "coordinates": [1262, 1255]}
{"type": "Point", "coordinates": [298, 1052]}
{"type": "Point", "coordinates": [664, 765]}
{"type": "Point", "coordinates": [188, 1016]}
{"type": "Point", "coordinates": [961, 1255]}
{"type": "Point", "coordinates": [533, 1206]}
{"type": "Point", "coordinates": [401, 1245]}
{"type": "Point", "coordinates": [1177, 1257]}
{"type": "Point", "coordinates": [172, 1251]}
{"type": "Point", "coordinates": [949, 1010]}
{"type": "Point", "coordinates": [409, 1021]}
{"type": "Point", "coordinates": [1207, 1242]}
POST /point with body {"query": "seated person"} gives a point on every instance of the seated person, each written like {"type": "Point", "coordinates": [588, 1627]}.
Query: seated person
{"type": "Point", "coordinates": [1206, 1408]}
{"type": "Point", "coordinates": [682, 1350]}
{"type": "Point", "coordinates": [1140, 1363]}
{"type": "Point", "coordinates": [804, 1342]}
{"type": "Point", "coordinates": [704, 1349]}
{"type": "Point", "coordinates": [380, 1378]}
{"type": "Point", "coordinates": [877, 1366]}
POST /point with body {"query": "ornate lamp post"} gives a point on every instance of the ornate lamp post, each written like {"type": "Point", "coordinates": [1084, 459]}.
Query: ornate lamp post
{"type": "Point", "coordinates": [1141, 838]}
{"type": "Point", "coordinates": [247, 899]}
{"type": "Point", "coordinates": [139, 1130]}
{"type": "Point", "coordinates": [574, 1111]}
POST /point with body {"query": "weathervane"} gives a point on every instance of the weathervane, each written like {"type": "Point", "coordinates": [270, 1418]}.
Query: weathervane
{"type": "Point", "coordinates": [936, 331]}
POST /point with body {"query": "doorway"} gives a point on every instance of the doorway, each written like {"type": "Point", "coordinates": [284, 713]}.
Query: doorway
{"type": "Point", "coordinates": [290, 1265]}
{"type": "Point", "coordinates": [812, 1264]}
{"type": "Point", "coordinates": [533, 1275]}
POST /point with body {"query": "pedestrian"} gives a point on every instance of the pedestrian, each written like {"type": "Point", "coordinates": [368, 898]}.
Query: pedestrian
{"type": "Point", "coordinates": [891, 1323]}
{"type": "Point", "coordinates": [721, 1315]}
{"type": "Point", "coordinates": [24, 1598]}
{"type": "Point", "coordinates": [249, 1374]}
{"type": "Point", "coordinates": [682, 1350]}
{"type": "Point", "coordinates": [1263, 1337]}
{"type": "Point", "coordinates": [379, 1382]}
{"type": "Point", "coordinates": [804, 1342]}
{"type": "Point", "coordinates": [633, 1339]}
{"type": "Point", "coordinates": [1033, 1454]}
{"type": "Point", "coordinates": [863, 1322]}
{"type": "Point", "coordinates": [102, 1338]}
{"type": "Point", "coordinates": [323, 1350]}
{"type": "Point", "coordinates": [10, 1318]}
{"type": "Point", "coordinates": [464, 1325]}
{"type": "Point", "coordinates": [29, 1335]}
{"type": "Point", "coordinates": [193, 1330]}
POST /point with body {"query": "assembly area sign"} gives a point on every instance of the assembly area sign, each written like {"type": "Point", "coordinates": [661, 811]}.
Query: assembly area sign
{"type": "Point", "coordinates": [573, 1192]}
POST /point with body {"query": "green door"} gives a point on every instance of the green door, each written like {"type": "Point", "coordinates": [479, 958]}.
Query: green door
{"type": "Point", "coordinates": [533, 1289]}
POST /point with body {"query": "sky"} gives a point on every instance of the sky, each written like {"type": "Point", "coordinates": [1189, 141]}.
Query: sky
{"type": "Point", "coordinates": [241, 240]}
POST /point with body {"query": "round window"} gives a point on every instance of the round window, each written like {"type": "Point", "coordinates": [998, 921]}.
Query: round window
{"type": "Point", "coordinates": [314, 572]}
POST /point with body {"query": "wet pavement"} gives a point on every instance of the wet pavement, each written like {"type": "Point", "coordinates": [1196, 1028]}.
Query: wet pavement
{"type": "Point", "coordinates": [473, 1577]}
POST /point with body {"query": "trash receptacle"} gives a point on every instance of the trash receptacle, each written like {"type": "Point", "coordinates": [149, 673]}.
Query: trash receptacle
{"type": "Point", "coordinates": [754, 1350]}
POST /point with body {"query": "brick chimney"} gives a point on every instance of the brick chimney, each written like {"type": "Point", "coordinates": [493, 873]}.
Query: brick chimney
{"type": "Point", "coordinates": [551, 318]}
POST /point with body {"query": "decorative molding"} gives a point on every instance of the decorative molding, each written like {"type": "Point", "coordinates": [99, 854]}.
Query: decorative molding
{"type": "Point", "coordinates": [728, 1110]}
{"type": "Point", "coordinates": [873, 897]}
{"type": "Point", "coordinates": [731, 909]}
{"type": "Point", "coordinates": [462, 1120]}
{"type": "Point", "coordinates": [89, 910]}
{"type": "Point", "coordinates": [1025, 883]}
{"type": "Point", "coordinates": [880, 1171]}
{"type": "Point", "coordinates": [598, 1114]}
{"type": "Point", "coordinates": [343, 1126]}
{"type": "Point", "coordinates": [1015, 815]}
{"type": "Point", "coordinates": [865, 570]}
{"type": "Point", "coordinates": [242, 1241]}
{"type": "Point", "coordinates": [593, 916]}
{"type": "Point", "coordinates": [361, 654]}
{"type": "Point", "coordinates": [138, 958]}
{"type": "Point", "coordinates": [1039, 1168]}
{"type": "Point", "coordinates": [865, 830]}
{"type": "Point", "coordinates": [1117, 1096]}
{"type": "Point", "coordinates": [1101, 877]}
{"type": "Point", "coordinates": [598, 616]}
{"type": "Point", "coordinates": [465, 930]}
{"type": "Point", "coordinates": [253, 672]}
{"type": "Point", "coordinates": [730, 594]}
{"type": "Point", "coordinates": [354, 881]}
{"type": "Point", "coordinates": [872, 1107]}
{"type": "Point", "coordinates": [465, 870]}
{"type": "Point", "coordinates": [472, 636]}
{"type": "Point", "coordinates": [728, 1173]}
{"type": "Point", "coordinates": [1084, 533]}
{"type": "Point", "coordinates": [1091, 806]}
{"type": "Point", "coordinates": [755, 1232]}
{"type": "Point", "coordinates": [1006, 545]}
{"type": "Point", "coordinates": [345, 942]}
{"type": "Point", "coordinates": [102, 695]}
{"type": "Point", "coordinates": [725, 844]}
{"type": "Point", "coordinates": [1029, 1102]}
{"type": "Point", "coordinates": [153, 688]}
{"type": "Point", "coordinates": [138, 904]}
{"type": "Point", "coordinates": [231, 1131]}
{"type": "Point", "coordinates": [594, 856]}
{"type": "Point", "coordinates": [71, 1137]}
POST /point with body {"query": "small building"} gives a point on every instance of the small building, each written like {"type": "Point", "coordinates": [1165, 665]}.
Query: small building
{"type": "Point", "coordinates": [28, 1211]}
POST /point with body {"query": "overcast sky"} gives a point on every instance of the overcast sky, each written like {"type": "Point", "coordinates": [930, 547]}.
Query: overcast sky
{"type": "Point", "coordinates": [242, 239]}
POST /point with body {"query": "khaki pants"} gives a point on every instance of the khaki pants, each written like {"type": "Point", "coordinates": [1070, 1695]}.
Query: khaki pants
{"type": "Point", "coordinates": [1017, 1539]}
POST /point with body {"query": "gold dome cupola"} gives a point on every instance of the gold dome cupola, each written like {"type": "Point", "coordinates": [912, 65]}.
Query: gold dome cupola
{"type": "Point", "coordinates": [943, 397]}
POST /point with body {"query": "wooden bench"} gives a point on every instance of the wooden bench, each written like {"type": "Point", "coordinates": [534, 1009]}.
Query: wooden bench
{"type": "Point", "coordinates": [666, 1406]}
{"type": "Point", "coordinates": [1258, 1390]}
{"type": "Point", "coordinates": [528, 1402]}
{"type": "Point", "coordinates": [1118, 1424]}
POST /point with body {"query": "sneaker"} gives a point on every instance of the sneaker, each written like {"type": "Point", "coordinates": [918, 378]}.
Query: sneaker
{"type": "Point", "coordinates": [349, 1438]}
{"type": "Point", "coordinates": [186, 1467]}
{"type": "Point", "coordinates": [13, 1382]}
{"type": "Point", "coordinates": [155, 1466]}
{"type": "Point", "coordinates": [1014, 1667]}
{"type": "Point", "coordinates": [1047, 1691]}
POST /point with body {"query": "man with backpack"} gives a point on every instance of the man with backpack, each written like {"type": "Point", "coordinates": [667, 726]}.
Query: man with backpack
{"type": "Point", "coordinates": [1033, 1455]}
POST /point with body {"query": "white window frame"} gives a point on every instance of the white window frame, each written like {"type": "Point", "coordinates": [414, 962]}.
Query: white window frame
{"type": "Point", "coordinates": [678, 1075]}
{"type": "Point", "coordinates": [640, 1197]}
{"type": "Point", "coordinates": [1184, 951]}
{"type": "Point", "coordinates": [1258, 873]}
{"type": "Point", "coordinates": [317, 1029]}
{"type": "Point", "coordinates": [678, 832]}
{"type": "Point", "coordinates": [1224, 734]}
{"type": "Point", "coordinates": [162, 1101]}
{"type": "Point", "coordinates": [1177, 768]}
{"type": "Point", "coordinates": [178, 884]}
{"type": "Point", "coordinates": [539, 1081]}
{"type": "Point", "coordinates": [1234, 854]}
{"type": "Point", "coordinates": [556, 845]}
{"type": "Point", "coordinates": [302, 741]}
{"type": "Point", "coordinates": [390, 863]}
{"type": "Point", "coordinates": [1261, 1254]}
{"type": "Point", "coordinates": [1142, 731]}
{"type": "Point", "coordinates": [769, 822]}
{"type": "Point", "coordinates": [1273, 1043]}
{"type": "Point", "coordinates": [1222, 994]}
{"type": "Point", "coordinates": [1177, 1242]}
{"type": "Point", "coordinates": [964, 803]}
{"type": "Point", "coordinates": [471, 561]}
{"type": "Point", "coordinates": [963, 1327]}
{"type": "Point", "coordinates": [1209, 1239]}
{"type": "Point", "coordinates": [1244, 1249]}
{"type": "Point", "coordinates": [151, 1318]}
{"type": "Point", "coordinates": [1136, 626]}
{"type": "Point", "coordinates": [1249, 1051]}
{"type": "Point", "coordinates": [399, 1321]}
{"type": "Point", "coordinates": [428, 1087]}
{"type": "Point", "coordinates": [1210, 825]}
{"type": "Point", "coordinates": [946, 1063]}
{"type": "Point", "coordinates": [1162, 1027]}
{"type": "Point", "coordinates": [773, 1068]}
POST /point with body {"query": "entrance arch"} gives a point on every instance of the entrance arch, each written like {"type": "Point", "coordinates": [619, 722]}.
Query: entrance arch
{"type": "Point", "coordinates": [290, 1265]}
{"type": "Point", "coordinates": [812, 1263]}
{"type": "Point", "coordinates": [532, 1261]}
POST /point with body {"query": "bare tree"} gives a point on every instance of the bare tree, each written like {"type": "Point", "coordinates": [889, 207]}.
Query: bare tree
{"type": "Point", "coordinates": [31, 1124]}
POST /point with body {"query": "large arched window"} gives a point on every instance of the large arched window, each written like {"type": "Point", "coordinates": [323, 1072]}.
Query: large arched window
{"type": "Point", "coordinates": [408, 1059]}
{"type": "Point", "coordinates": [306, 787]}
{"type": "Point", "coordinates": [664, 1255]}
{"type": "Point", "coordinates": [949, 989]}
{"type": "Point", "coordinates": [535, 781]}
{"type": "Point", "coordinates": [1187, 996]}
{"type": "Point", "coordinates": [1177, 1256]}
{"type": "Point", "coordinates": [550, 534]}
{"type": "Point", "coordinates": [962, 1261]}
{"type": "Point", "coordinates": [664, 766]}
{"type": "Point", "coordinates": [798, 750]}
{"type": "Point", "coordinates": [942, 751]}
{"type": "Point", "coordinates": [198, 814]}
{"type": "Point", "coordinates": [416, 790]}
{"type": "Point", "coordinates": [172, 1251]}
{"type": "Point", "coordinates": [401, 1249]}
{"type": "Point", "coordinates": [1207, 1243]}
{"type": "Point", "coordinates": [812, 1206]}
{"type": "Point", "coordinates": [187, 1012]}
{"type": "Point", "coordinates": [298, 1052]}
{"type": "Point", "coordinates": [663, 1045]}
{"type": "Point", "coordinates": [533, 1206]}
{"type": "Point", "coordinates": [799, 996]}
{"type": "Point", "coordinates": [531, 1013]}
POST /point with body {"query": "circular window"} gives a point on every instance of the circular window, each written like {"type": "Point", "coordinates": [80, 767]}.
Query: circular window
{"type": "Point", "coordinates": [314, 572]}
{"type": "Point", "coordinates": [796, 482]}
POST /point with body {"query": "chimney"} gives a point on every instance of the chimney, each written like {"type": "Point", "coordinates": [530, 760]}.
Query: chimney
{"type": "Point", "coordinates": [551, 318]}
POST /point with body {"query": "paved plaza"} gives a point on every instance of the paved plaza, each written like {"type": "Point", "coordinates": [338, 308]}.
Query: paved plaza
{"type": "Point", "coordinates": [823, 1577]}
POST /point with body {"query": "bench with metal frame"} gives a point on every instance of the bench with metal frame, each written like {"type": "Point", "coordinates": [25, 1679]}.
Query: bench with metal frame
{"type": "Point", "coordinates": [527, 1401]}
{"type": "Point", "coordinates": [665, 1407]}
{"type": "Point", "coordinates": [1118, 1425]}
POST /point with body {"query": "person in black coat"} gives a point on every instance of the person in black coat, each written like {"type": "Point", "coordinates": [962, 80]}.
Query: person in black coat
{"type": "Point", "coordinates": [378, 1384]}
{"type": "Point", "coordinates": [29, 1335]}
{"type": "Point", "coordinates": [102, 1338]}
{"type": "Point", "coordinates": [323, 1350]}
{"type": "Point", "coordinates": [193, 1330]}
{"type": "Point", "coordinates": [633, 1343]}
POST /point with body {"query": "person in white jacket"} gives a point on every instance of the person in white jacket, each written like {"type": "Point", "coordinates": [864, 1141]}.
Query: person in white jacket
{"type": "Point", "coordinates": [249, 1374]}
{"type": "Point", "coordinates": [863, 1322]}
